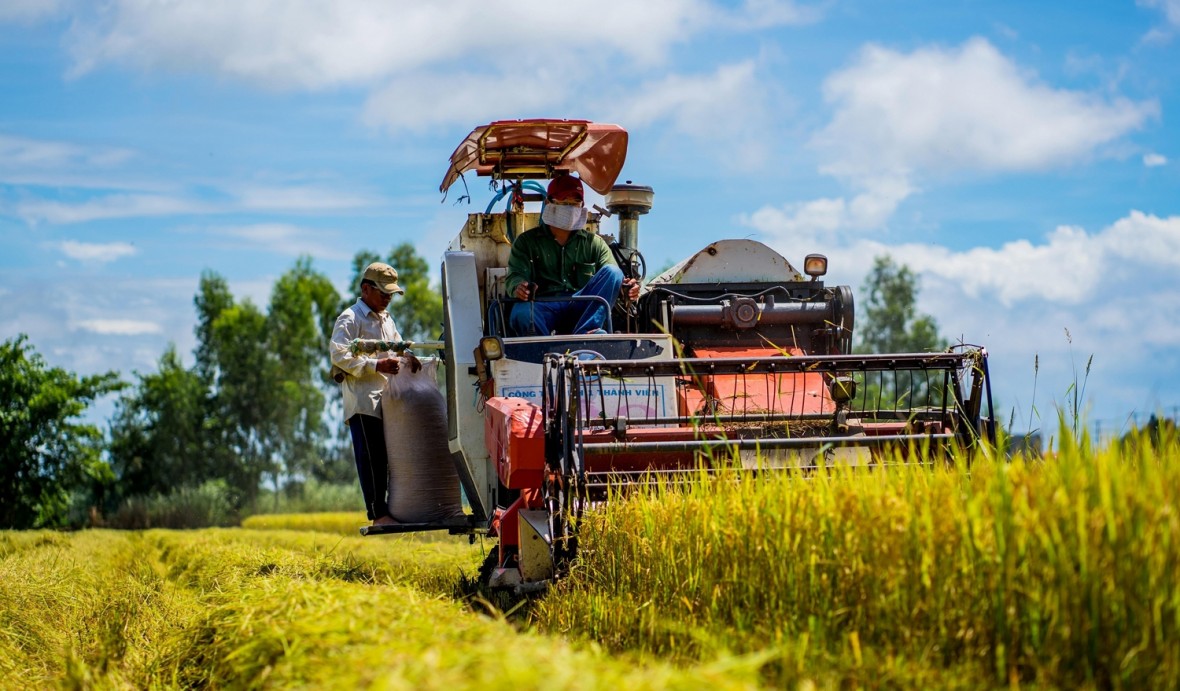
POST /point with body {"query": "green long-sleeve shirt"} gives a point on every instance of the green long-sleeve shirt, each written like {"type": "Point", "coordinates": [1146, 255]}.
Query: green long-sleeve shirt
{"type": "Point", "coordinates": [556, 270]}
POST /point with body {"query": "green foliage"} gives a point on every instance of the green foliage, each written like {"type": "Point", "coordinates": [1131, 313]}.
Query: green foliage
{"type": "Point", "coordinates": [889, 321]}
{"type": "Point", "coordinates": [207, 505]}
{"type": "Point", "coordinates": [44, 452]}
{"type": "Point", "coordinates": [157, 440]}
{"type": "Point", "coordinates": [310, 497]}
{"type": "Point", "coordinates": [298, 327]}
{"type": "Point", "coordinates": [213, 297]}
{"type": "Point", "coordinates": [1158, 433]}
{"type": "Point", "coordinates": [252, 406]}
{"type": "Point", "coordinates": [418, 313]}
{"type": "Point", "coordinates": [243, 426]}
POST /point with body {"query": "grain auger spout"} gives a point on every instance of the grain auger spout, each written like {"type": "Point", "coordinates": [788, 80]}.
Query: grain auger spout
{"type": "Point", "coordinates": [370, 345]}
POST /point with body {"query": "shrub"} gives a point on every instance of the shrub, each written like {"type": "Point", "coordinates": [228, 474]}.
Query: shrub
{"type": "Point", "coordinates": [208, 505]}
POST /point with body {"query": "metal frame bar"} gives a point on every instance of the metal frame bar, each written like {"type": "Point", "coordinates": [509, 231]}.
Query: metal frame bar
{"type": "Point", "coordinates": [779, 364]}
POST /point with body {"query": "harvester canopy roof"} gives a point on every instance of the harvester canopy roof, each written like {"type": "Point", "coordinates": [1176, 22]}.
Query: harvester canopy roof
{"type": "Point", "coordinates": [537, 149]}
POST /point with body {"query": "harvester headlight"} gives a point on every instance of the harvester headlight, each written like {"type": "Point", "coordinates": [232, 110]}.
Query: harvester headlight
{"type": "Point", "coordinates": [491, 347]}
{"type": "Point", "coordinates": [843, 389]}
{"type": "Point", "coordinates": [815, 265]}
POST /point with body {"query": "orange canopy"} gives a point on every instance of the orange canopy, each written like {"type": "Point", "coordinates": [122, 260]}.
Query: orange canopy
{"type": "Point", "coordinates": [539, 148]}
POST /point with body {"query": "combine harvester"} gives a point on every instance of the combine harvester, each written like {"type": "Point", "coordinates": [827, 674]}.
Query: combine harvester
{"type": "Point", "coordinates": [731, 358]}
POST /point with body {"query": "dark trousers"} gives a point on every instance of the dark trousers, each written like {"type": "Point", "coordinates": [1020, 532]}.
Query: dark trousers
{"type": "Point", "coordinates": [372, 465]}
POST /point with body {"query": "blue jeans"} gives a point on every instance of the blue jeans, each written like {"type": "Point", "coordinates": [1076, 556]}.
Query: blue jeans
{"type": "Point", "coordinates": [568, 316]}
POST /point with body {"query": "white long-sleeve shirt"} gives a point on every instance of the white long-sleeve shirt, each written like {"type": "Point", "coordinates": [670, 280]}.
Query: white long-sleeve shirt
{"type": "Point", "coordinates": [362, 384]}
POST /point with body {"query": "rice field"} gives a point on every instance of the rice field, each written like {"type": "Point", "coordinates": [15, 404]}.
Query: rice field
{"type": "Point", "coordinates": [1058, 573]}
{"type": "Point", "coordinates": [1043, 574]}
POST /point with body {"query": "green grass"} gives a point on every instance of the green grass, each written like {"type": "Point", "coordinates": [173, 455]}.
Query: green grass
{"type": "Point", "coordinates": [310, 497]}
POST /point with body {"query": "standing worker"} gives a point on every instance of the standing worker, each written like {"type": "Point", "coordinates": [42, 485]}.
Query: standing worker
{"type": "Point", "coordinates": [559, 258]}
{"type": "Point", "coordinates": [362, 379]}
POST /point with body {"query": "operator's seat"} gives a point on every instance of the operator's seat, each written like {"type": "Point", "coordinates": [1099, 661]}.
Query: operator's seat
{"type": "Point", "coordinates": [500, 310]}
{"type": "Point", "coordinates": [497, 317]}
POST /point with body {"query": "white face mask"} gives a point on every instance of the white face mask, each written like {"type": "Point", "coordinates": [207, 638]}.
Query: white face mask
{"type": "Point", "coordinates": [564, 216]}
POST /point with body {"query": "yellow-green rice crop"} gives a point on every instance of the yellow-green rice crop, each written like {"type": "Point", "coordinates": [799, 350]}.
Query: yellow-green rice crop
{"type": "Point", "coordinates": [1059, 572]}
{"type": "Point", "coordinates": [242, 609]}
{"type": "Point", "coordinates": [342, 523]}
{"type": "Point", "coordinates": [1055, 573]}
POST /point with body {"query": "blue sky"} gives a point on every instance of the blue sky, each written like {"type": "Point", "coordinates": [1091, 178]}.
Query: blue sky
{"type": "Point", "coordinates": [1023, 158]}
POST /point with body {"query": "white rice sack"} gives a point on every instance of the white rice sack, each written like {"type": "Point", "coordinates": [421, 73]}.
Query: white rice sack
{"type": "Point", "coordinates": [423, 484]}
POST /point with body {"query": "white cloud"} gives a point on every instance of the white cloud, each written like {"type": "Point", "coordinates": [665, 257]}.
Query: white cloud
{"type": "Point", "coordinates": [727, 109]}
{"type": "Point", "coordinates": [1153, 160]}
{"type": "Point", "coordinates": [817, 222]}
{"type": "Point", "coordinates": [322, 43]}
{"type": "Point", "coordinates": [118, 327]}
{"type": "Point", "coordinates": [1065, 269]}
{"type": "Point", "coordinates": [287, 240]}
{"type": "Point", "coordinates": [105, 321]}
{"type": "Point", "coordinates": [420, 101]}
{"type": "Point", "coordinates": [761, 14]}
{"type": "Point", "coordinates": [1114, 290]}
{"type": "Point", "coordinates": [1170, 8]}
{"type": "Point", "coordinates": [1070, 267]}
{"type": "Point", "coordinates": [901, 119]}
{"type": "Point", "coordinates": [30, 11]}
{"type": "Point", "coordinates": [21, 153]}
{"type": "Point", "coordinates": [969, 108]}
{"type": "Point", "coordinates": [107, 207]}
{"type": "Point", "coordinates": [30, 162]}
{"type": "Point", "coordinates": [296, 197]}
{"type": "Point", "coordinates": [97, 252]}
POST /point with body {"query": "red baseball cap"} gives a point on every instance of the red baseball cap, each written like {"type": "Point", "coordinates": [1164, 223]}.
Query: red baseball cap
{"type": "Point", "coordinates": [566, 188]}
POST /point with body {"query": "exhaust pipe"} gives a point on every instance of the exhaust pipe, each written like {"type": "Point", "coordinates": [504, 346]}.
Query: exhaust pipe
{"type": "Point", "coordinates": [629, 202]}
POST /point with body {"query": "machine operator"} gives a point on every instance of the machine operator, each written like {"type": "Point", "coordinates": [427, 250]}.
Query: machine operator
{"type": "Point", "coordinates": [559, 258]}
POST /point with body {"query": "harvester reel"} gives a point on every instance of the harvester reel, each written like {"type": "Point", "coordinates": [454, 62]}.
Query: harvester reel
{"type": "Point", "coordinates": [564, 504]}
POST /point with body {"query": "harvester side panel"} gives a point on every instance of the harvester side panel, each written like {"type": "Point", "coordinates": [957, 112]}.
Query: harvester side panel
{"type": "Point", "coordinates": [464, 327]}
{"type": "Point", "coordinates": [516, 441]}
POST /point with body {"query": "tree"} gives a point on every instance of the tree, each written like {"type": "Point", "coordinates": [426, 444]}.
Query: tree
{"type": "Point", "coordinates": [892, 324]}
{"type": "Point", "coordinates": [213, 297]}
{"type": "Point", "coordinates": [243, 425]}
{"type": "Point", "coordinates": [253, 404]}
{"type": "Point", "coordinates": [180, 427]}
{"type": "Point", "coordinates": [1159, 433]}
{"type": "Point", "coordinates": [44, 452]}
{"type": "Point", "coordinates": [158, 431]}
{"type": "Point", "coordinates": [417, 313]}
{"type": "Point", "coordinates": [299, 324]}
